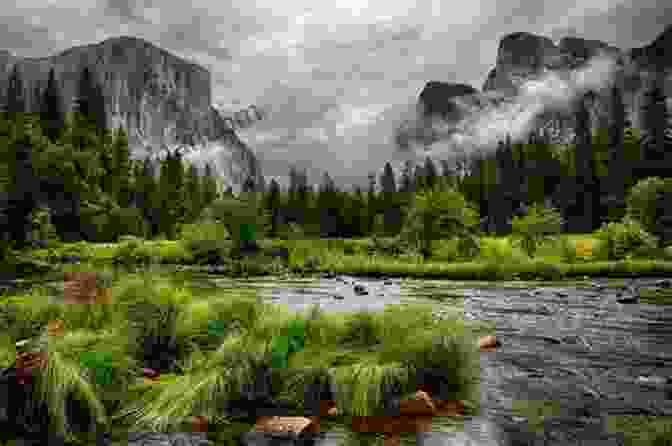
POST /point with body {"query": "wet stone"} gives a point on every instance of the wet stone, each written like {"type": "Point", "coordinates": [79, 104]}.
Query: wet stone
{"type": "Point", "coordinates": [168, 439]}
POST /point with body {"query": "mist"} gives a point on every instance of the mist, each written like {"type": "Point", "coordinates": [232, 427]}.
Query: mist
{"type": "Point", "coordinates": [489, 117]}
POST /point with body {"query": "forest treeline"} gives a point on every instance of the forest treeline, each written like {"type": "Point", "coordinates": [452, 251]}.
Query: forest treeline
{"type": "Point", "coordinates": [68, 173]}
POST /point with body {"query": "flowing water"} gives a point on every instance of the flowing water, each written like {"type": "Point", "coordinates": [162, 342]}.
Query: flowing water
{"type": "Point", "coordinates": [571, 359]}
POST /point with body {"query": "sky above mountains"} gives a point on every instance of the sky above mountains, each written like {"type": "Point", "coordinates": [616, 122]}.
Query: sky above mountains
{"type": "Point", "coordinates": [334, 78]}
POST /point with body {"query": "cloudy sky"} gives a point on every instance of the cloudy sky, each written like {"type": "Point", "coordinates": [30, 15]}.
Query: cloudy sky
{"type": "Point", "coordinates": [335, 77]}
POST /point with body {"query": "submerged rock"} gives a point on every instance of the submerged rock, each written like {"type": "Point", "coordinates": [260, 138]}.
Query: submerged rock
{"type": "Point", "coordinates": [360, 290]}
{"type": "Point", "coordinates": [168, 439]}
{"type": "Point", "coordinates": [665, 283]}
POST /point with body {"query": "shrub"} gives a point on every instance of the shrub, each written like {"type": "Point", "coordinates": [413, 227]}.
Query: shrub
{"type": "Point", "coordinates": [469, 246]}
{"type": "Point", "coordinates": [538, 224]}
{"type": "Point", "coordinates": [622, 238]}
{"type": "Point", "coordinates": [569, 250]}
{"type": "Point", "coordinates": [650, 202]}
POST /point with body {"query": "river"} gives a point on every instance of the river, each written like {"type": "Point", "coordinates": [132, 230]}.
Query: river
{"type": "Point", "coordinates": [569, 347]}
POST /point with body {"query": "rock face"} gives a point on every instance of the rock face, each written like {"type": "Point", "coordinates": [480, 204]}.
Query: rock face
{"type": "Point", "coordinates": [159, 99]}
{"type": "Point", "coordinates": [523, 56]}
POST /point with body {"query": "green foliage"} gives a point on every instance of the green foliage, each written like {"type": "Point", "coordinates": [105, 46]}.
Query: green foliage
{"type": "Point", "coordinates": [641, 201]}
{"type": "Point", "coordinates": [622, 238]}
{"type": "Point", "coordinates": [43, 228]}
{"type": "Point", "coordinates": [539, 224]}
{"type": "Point", "coordinates": [438, 214]}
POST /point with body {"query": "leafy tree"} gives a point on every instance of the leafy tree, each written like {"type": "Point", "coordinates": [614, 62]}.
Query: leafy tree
{"type": "Point", "coordinates": [649, 203]}
{"type": "Point", "coordinates": [539, 224]}
{"type": "Point", "coordinates": [624, 237]}
{"type": "Point", "coordinates": [52, 113]}
{"type": "Point", "coordinates": [435, 214]}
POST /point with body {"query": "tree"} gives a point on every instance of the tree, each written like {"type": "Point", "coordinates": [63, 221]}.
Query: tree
{"type": "Point", "coordinates": [22, 196]}
{"type": "Point", "coordinates": [52, 114]}
{"type": "Point", "coordinates": [371, 203]}
{"type": "Point", "coordinates": [540, 223]}
{"type": "Point", "coordinates": [649, 203]}
{"type": "Point", "coordinates": [390, 203]}
{"type": "Point", "coordinates": [273, 206]}
{"type": "Point", "coordinates": [584, 213]}
{"type": "Point", "coordinates": [147, 197]}
{"type": "Point", "coordinates": [171, 182]}
{"type": "Point", "coordinates": [436, 214]}
{"type": "Point", "coordinates": [16, 101]}
{"type": "Point", "coordinates": [90, 102]}
{"type": "Point", "coordinates": [430, 173]}
{"type": "Point", "coordinates": [209, 185]}
{"type": "Point", "coordinates": [120, 169]}
{"type": "Point", "coordinates": [192, 186]}
{"type": "Point", "coordinates": [327, 206]}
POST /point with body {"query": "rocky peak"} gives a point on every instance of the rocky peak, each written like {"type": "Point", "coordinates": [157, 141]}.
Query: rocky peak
{"type": "Point", "coordinates": [523, 57]}
{"type": "Point", "coordinates": [161, 100]}
{"type": "Point", "coordinates": [435, 97]}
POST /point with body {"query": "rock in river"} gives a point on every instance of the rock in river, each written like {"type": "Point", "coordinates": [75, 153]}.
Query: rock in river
{"type": "Point", "coordinates": [360, 290]}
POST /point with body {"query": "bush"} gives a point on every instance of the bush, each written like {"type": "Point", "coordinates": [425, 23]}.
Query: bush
{"type": "Point", "coordinates": [622, 238]}
{"type": "Point", "coordinates": [650, 203]}
{"type": "Point", "coordinates": [568, 250]}
{"type": "Point", "coordinates": [469, 246]}
{"type": "Point", "coordinates": [539, 224]}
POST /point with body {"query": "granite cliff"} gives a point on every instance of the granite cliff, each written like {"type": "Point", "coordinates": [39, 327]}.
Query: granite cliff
{"type": "Point", "coordinates": [161, 100]}
{"type": "Point", "coordinates": [524, 57]}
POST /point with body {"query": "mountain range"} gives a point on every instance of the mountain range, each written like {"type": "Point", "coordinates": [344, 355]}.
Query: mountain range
{"type": "Point", "coordinates": [521, 94]}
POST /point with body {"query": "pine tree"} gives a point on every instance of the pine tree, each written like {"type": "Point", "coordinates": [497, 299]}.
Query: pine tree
{"type": "Point", "coordinates": [121, 168]}
{"type": "Point", "coordinates": [327, 206]}
{"type": "Point", "coordinates": [654, 123]}
{"type": "Point", "coordinates": [430, 173]}
{"type": "Point", "coordinates": [389, 201]}
{"type": "Point", "coordinates": [16, 101]}
{"type": "Point", "coordinates": [209, 185]}
{"type": "Point", "coordinates": [51, 110]}
{"type": "Point", "coordinates": [371, 203]}
{"type": "Point", "coordinates": [22, 195]}
{"type": "Point", "coordinates": [419, 182]}
{"type": "Point", "coordinates": [194, 194]}
{"type": "Point", "coordinates": [273, 206]}
{"type": "Point", "coordinates": [584, 214]}
{"type": "Point", "coordinates": [90, 102]}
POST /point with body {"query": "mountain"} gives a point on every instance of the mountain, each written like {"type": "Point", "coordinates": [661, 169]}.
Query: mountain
{"type": "Point", "coordinates": [525, 57]}
{"type": "Point", "coordinates": [161, 100]}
